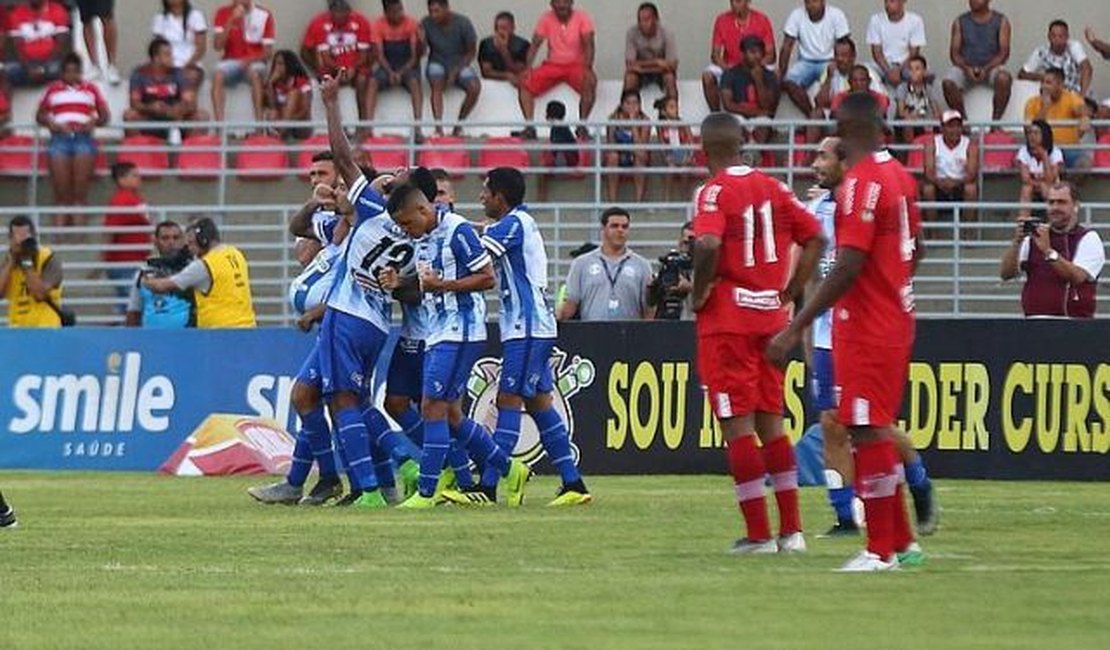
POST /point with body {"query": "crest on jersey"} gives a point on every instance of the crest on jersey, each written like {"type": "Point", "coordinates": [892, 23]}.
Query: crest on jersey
{"type": "Point", "coordinates": [572, 374]}
{"type": "Point", "coordinates": [709, 195]}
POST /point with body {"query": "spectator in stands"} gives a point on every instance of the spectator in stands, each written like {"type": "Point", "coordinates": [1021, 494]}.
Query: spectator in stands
{"type": "Point", "coordinates": [814, 28]}
{"type": "Point", "coordinates": [650, 53]}
{"type": "Point", "coordinates": [677, 137]}
{"type": "Point", "coordinates": [1061, 52]}
{"type": "Point", "coordinates": [172, 310]}
{"type": "Point", "coordinates": [1040, 162]}
{"type": "Point", "coordinates": [71, 108]}
{"type": "Point", "coordinates": [951, 165]}
{"type": "Point", "coordinates": [160, 93]}
{"type": "Point", "coordinates": [340, 38]}
{"type": "Point", "coordinates": [917, 99]}
{"type": "Point", "coordinates": [452, 46]}
{"type": "Point", "coordinates": [860, 81]}
{"type": "Point", "coordinates": [749, 89]}
{"type": "Point", "coordinates": [40, 37]}
{"type": "Point", "coordinates": [186, 29]}
{"type": "Point", "coordinates": [30, 278]}
{"type": "Point", "coordinates": [1101, 46]}
{"type": "Point", "coordinates": [127, 232]}
{"type": "Point", "coordinates": [836, 80]}
{"type": "Point", "coordinates": [218, 277]}
{"type": "Point", "coordinates": [245, 36]}
{"type": "Point", "coordinates": [569, 35]}
{"type": "Point", "coordinates": [504, 55]}
{"type": "Point", "coordinates": [980, 47]}
{"type": "Point", "coordinates": [632, 140]}
{"type": "Point", "coordinates": [1057, 104]}
{"type": "Point", "coordinates": [5, 103]}
{"type": "Point", "coordinates": [725, 53]}
{"type": "Point", "coordinates": [565, 151]}
{"type": "Point", "coordinates": [104, 11]}
{"type": "Point", "coordinates": [397, 43]}
{"type": "Point", "coordinates": [288, 95]}
{"type": "Point", "coordinates": [1061, 259]}
{"type": "Point", "coordinates": [611, 282]}
{"type": "Point", "coordinates": [895, 35]}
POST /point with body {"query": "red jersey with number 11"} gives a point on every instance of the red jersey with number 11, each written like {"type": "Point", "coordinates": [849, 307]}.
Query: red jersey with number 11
{"type": "Point", "coordinates": [758, 220]}
{"type": "Point", "coordinates": [878, 215]}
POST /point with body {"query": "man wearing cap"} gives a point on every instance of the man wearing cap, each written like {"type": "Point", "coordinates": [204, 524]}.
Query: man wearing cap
{"type": "Point", "coordinates": [951, 164]}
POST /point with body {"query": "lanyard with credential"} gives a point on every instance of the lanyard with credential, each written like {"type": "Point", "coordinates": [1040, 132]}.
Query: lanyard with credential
{"type": "Point", "coordinates": [614, 302]}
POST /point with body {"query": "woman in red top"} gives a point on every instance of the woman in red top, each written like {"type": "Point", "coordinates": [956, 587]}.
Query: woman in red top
{"type": "Point", "coordinates": [289, 95]}
{"type": "Point", "coordinates": [71, 108]}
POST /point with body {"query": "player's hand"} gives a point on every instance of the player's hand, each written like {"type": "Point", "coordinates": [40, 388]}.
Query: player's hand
{"type": "Point", "coordinates": [389, 278]}
{"type": "Point", "coordinates": [780, 346]}
{"type": "Point", "coordinates": [306, 321]}
{"type": "Point", "coordinates": [342, 202]}
{"type": "Point", "coordinates": [329, 86]}
{"type": "Point", "coordinates": [324, 195]}
{"type": "Point", "coordinates": [430, 279]}
{"type": "Point", "coordinates": [1090, 35]}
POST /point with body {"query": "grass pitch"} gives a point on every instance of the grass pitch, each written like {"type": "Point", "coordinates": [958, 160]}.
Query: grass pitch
{"type": "Point", "coordinates": [138, 561]}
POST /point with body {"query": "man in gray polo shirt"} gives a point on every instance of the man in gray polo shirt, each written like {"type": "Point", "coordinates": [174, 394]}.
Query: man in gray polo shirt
{"type": "Point", "coordinates": [452, 45]}
{"type": "Point", "coordinates": [611, 282]}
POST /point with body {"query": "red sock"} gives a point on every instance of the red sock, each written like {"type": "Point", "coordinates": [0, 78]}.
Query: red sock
{"type": "Point", "coordinates": [778, 456]}
{"type": "Point", "coordinates": [746, 464]}
{"type": "Point", "coordinates": [903, 533]}
{"type": "Point", "coordinates": [877, 485]}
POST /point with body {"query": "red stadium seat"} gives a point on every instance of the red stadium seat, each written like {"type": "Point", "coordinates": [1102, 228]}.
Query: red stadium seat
{"type": "Point", "coordinates": [199, 157]}
{"type": "Point", "coordinates": [802, 156]}
{"type": "Point", "coordinates": [700, 161]}
{"type": "Point", "coordinates": [18, 163]}
{"type": "Point", "coordinates": [310, 148]}
{"type": "Point", "coordinates": [999, 160]}
{"type": "Point", "coordinates": [445, 152]}
{"type": "Point", "coordinates": [503, 152]}
{"type": "Point", "coordinates": [262, 157]}
{"type": "Point", "coordinates": [386, 152]}
{"type": "Point", "coordinates": [152, 161]}
{"type": "Point", "coordinates": [1102, 154]}
{"type": "Point", "coordinates": [915, 162]}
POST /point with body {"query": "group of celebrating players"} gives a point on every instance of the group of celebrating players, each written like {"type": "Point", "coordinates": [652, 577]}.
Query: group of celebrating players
{"type": "Point", "coordinates": [388, 238]}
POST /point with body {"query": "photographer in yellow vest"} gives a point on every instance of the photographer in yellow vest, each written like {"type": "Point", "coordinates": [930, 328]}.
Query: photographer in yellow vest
{"type": "Point", "coordinates": [218, 278]}
{"type": "Point", "coordinates": [30, 278]}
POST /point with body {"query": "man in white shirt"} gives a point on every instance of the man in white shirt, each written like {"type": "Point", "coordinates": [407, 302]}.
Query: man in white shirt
{"type": "Point", "coordinates": [895, 35]}
{"type": "Point", "coordinates": [1062, 52]}
{"type": "Point", "coordinates": [815, 29]}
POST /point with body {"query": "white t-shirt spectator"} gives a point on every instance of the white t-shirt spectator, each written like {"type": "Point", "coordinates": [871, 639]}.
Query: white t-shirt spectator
{"type": "Point", "coordinates": [1044, 58]}
{"type": "Point", "coordinates": [1090, 255]}
{"type": "Point", "coordinates": [897, 38]}
{"type": "Point", "coordinates": [1035, 167]}
{"type": "Point", "coordinates": [180, 34]}
{"type": "Point", "coordinates": [816, 39]}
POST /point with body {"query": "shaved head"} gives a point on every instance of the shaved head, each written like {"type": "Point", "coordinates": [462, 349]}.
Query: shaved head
{"type": "Point", "coordinates": [722, 135]}
{"type": "Point", "coordinates": [859, 122]}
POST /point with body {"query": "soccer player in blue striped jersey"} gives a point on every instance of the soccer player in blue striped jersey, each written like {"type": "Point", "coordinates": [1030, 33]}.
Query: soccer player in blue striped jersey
{"type": "Point", "coordinates": [528, 334]}
{"type": "Point", "coordinates": [828, 165]}
{"type": "Point", "coordinates": [454, 269]}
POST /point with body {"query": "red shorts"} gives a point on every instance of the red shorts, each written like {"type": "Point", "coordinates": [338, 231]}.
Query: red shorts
{"type": "Point", "coordinates": [541, 79]}
{"type": "Point", "coordinates": [738, 376]}
{"type": "Point", "coordinates": [871, 381]}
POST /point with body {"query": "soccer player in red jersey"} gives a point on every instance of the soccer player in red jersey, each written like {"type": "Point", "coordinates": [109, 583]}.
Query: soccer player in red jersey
{"type": "Point", "coordinates": [878, 237]}
{"type": "Point", "coordinates": [746, 226]}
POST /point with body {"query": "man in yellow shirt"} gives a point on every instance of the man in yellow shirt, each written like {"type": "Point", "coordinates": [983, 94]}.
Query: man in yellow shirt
{"type": "Point", "coordinates": [218, 277]}
{"type": "Point", "coordinates": [30, 278]}
{"type": "Point", "coordinates": [1057, 104]}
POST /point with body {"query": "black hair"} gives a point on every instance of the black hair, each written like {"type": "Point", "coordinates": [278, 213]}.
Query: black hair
{"type": "Point", "coordinates": [860, 66]}
{"type": "Point", "coordinates": [156, 44]}
{"type": "Point", "coordinates": [689, 225]}
{"type": "Point", "coordinates": [441, 3]}
{"type": "Point", "coordinates": [425, 181]}
{"type": "Point", "coordinates": [1059, 23]}
{"type": "Point", "coordinates": [22, 221]}
{"type": "Point", "coordinates": [750, 42]}
{"type": "Point", "coordinates": [169, 223]}
{"type": "Point", "coordinates": [917, 57]}
{"type": "Point", "coordinates": [650, 6]}
{"type": "Point", "coordinates": [186, 9]}
{"type": "Point", "coordinates": [293, 65]}
{"type": "Point", "coordinates": [861, 102]}
{"type": "Point", "coordinates": [1056, 72]}
{"type": "Point", "coordinates": [339, 5]}
{"type": "Point", "coordinates": [508, 183]}
{"type": "Point", "coordinates": [321, 156]}
{"type": "Point", "coordinates": [205, 232]}
{"type": "Point", "coordinates": [1070, 186]}
{"type": "Point", "coordinates": [121, 169]}
{"type": "Point", "coordinates": [614, 212]}
{"type": "Point", "coordinates": [440, 174]}
{"type": "Point", "coordinates": [846, 40]}
{"type": "Point", "coordinates": [400, 197]}
{"type": "Point", "coordinates": [556, 110]}
{"type": "Point", "coordinates": [630, 92]}
{"type": "Point", "coordinates": [386, 4]}
{"type": "Point", "coordinates": [72, 58]}
{"type": "Point", "coordinates": [1046, 135]}
{"type": "Point", "coordinates": [504, 15]}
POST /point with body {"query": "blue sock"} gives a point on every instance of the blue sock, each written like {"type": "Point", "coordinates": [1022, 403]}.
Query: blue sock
{"type": "Point", "coordinates": [383, 467]}
{"type": "Point", "coordinates": [553, 436]}
{"type": "Point", "coordinates": [396, 443]}
{"type": "Point", "coordinates": [481, 447]}
{"type": "Point", "coordinates": [506, 436]}
{"type": "Point", "coordinates": [302, 461]}
{"type": "Point", "coordinates": [457, 457]}
{"type": "Point", "coordinates": [437, 440]}
{"type": "Point", "coordinates": [916, 476]}
{"type": "Point", "coordinates": [315, 426]}
{"type": "Point", "coordinates": [841, 501]}
{"type": "Point", "coordinates": [410, 422]}
{"type": "Point", "coordinates": [352, 431]}
{"type": "Point", "coordinates": [342, 451]}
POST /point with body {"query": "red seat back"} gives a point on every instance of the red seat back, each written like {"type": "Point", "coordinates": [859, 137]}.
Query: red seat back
{"type": "Point", "coordinates": [1102, 153]}
{"type": "Point", "coordinates": [15, 155]}
{"type": "Point", "coordinates": [262, 157]}
{"type": "Point", "coordinates": [445, 152]}
{"type": "Point", "coordinates": [997, 160]}
{"type": "Point", "coordinates": [503, 152]}
{"type": "Point", "coordinates": [915, 162]}
{"type": "Point", "coordinates": [199, 157]}
{"type": "Point", "coordinates": [386, 152]}
{"type": "Point", "coordinates": [150, 154]}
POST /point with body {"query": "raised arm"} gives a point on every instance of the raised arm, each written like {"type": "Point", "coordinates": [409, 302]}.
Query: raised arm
{"type": "Point", "coordinates": [337, 139]}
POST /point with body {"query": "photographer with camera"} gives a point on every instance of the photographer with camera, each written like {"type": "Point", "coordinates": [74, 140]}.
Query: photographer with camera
{"type": "Point", "coordinates": [1060, 258]}
{"type": "Point", "coordinates": [669, 291]}
{"type": "Point", "coordinates": [172, 310]}
{"type": "Point", "coordinates": [31, 279]}
{"type": "Point", "coordinates": [611, 282]}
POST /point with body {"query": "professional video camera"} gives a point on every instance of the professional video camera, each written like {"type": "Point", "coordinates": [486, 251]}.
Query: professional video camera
{"type": "Point", "coordinates": [673, 267]}
{"type": "Point", "coordinates": [164, 267]}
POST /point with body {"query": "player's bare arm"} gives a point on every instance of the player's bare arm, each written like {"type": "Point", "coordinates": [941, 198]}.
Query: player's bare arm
{"type": "Point", "coordinates": [803, 270]}
{"type": "Point", "coordinates": [337, 139]}
{"type": "Point", "coordinates": [433, 282]}
{"type": "Point", "coordinates": [707, 253]}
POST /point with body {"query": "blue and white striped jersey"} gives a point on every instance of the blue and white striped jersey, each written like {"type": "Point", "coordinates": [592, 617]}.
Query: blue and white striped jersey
{"type": "Point", "coordinates": [324, 222]}
{"type": "Point", "coordinates": [518, 251]}
{"type": "Point", "coordinates": [373, 244]}
{"type": "Point", "coordinates": [454, 251]}
{"type": "Point", "coordinates": [824, 207]}
{"type": "Point", "coordinates": [311, 287]}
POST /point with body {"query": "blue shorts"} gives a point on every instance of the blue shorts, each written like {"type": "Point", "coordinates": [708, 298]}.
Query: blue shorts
{"type": "Point", "coordinates": [805, 72]}
{"type": "Point", "coordinates": [1074, 158]}
{"type": "Point", "coordinates": [71, 144]}
{"type": "Point", "coordinates": [822, 381]}
{"type": "Point", "coordinates": [347, 350]}
{"type": "Point", "coordinates": [447, 366]}
{"type": "Point", "coordinates": [436, 71]}
{"type": "Point", "coordinates": [406, 369]}
{"type": "Point", "coordinates": [526, 367]}
{"type": "Point", "coordinates": [309, 374]}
